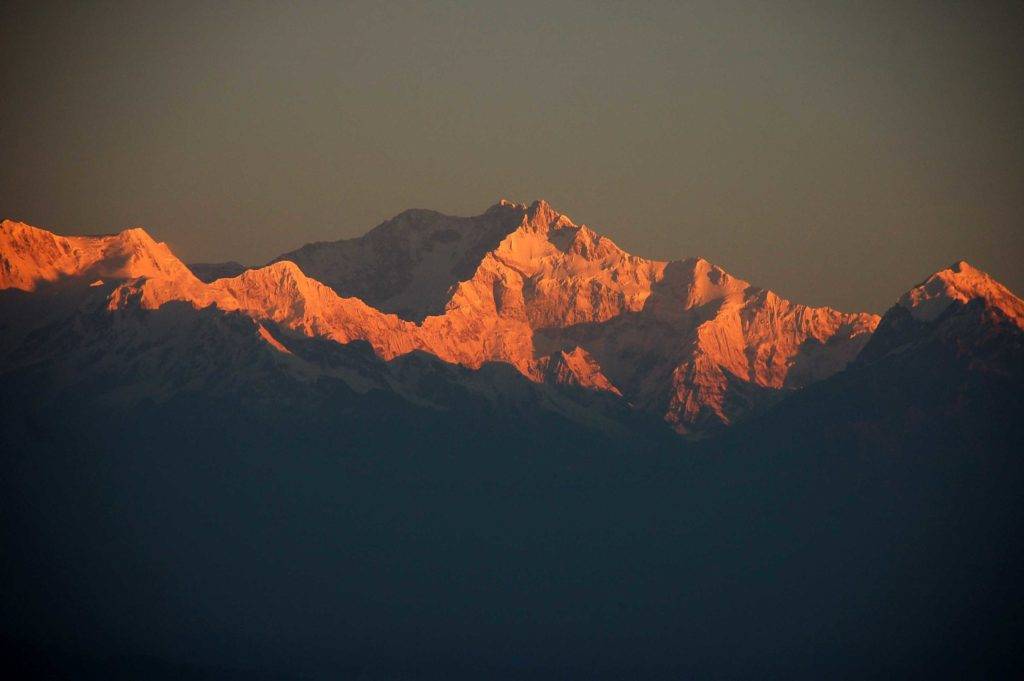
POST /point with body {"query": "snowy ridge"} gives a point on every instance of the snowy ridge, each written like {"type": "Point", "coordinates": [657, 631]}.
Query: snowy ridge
{"type": "Point", "coordinates": [522, 285]}
{"type": "Point", "coordinates": [30, 257]}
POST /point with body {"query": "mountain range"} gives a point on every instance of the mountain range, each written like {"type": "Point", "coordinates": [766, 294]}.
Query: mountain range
{"type": "Point", "coordinates": [525, 286]}
{"type": "Point", "coordinates": [684, 340]}
{"type": "Point", "coordinates": [500, 444]}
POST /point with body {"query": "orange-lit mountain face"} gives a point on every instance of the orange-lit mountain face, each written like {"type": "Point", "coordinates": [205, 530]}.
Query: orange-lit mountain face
{"type": "Point", "coordinates": [960, 283]}
{"type": "Point", "coordinates": [32, 257]}
{"type": "Point", "coordinates": [684, 340]}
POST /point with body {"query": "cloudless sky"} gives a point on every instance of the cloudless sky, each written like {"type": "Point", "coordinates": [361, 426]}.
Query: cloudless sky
{"type": "Point", "coordinates": [837, 153]}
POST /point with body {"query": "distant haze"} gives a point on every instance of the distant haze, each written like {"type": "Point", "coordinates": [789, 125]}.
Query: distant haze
{"type": "Point", "coordinates": [837, 153]}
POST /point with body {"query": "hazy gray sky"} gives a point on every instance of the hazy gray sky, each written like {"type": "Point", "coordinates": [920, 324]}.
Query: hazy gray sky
{"type": "Point", "coordinates": [835, 152]}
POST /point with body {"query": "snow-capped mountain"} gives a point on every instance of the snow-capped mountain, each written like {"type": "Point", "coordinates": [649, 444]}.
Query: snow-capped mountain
{"type": "Point", "coordinates": [960, 283]}
{"type": "Point", "coordinates": [169, 441]}
{"type": "Point", "coordinates": [961, 309]}
{"type": "Point", "coordinates": [684, 341]}
{"type": "Point", "coordinates": [943, 371]}
{"type": "Point", "coordinates": [116, 321]}
{"type": "Point", "coordinates": [32, 257]}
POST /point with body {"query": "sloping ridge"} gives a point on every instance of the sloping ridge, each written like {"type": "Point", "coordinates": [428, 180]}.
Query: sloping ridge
{"type": "Point", "coordinates": [30, 257]}
{"type": "Point", "coordinates": [960, 283]}
{"type": "Point", "coordinates": [960, 307]}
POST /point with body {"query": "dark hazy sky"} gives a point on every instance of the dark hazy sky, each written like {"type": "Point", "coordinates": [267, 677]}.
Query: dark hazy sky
{"type": "Point", "coordinates": [835, 152]}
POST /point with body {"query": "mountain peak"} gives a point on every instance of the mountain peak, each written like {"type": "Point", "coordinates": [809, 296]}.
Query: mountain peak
{"type": "Point", "coordinates": [279, 284]}
{"type": "Point", "coordinates": [960, 283]}
{"type": "Point", "coordinates": [540, 208]}
{"type": "Point", "coordinates": [408, 265]}
{"type": "Point", "coordinates": [10, 228]}
{"type": "Point", "coordinates": [136, 234]}
{"type": "Point", "coordinates": [30, 256]}
{"type": "Point", "coordinates": [281, 268]}
{"type": "Point", "coordinates": [505, 204]}
{"type": "Point", "coordinates": [963, 266]}
{"type": "Point", "coordinates": [542, 217]}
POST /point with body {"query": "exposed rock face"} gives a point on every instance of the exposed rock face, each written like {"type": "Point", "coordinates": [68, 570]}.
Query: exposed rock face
{"type": "Point", "coordinates": [517, 284]}
{"type": "Point", "coordinates": [577, 368]}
